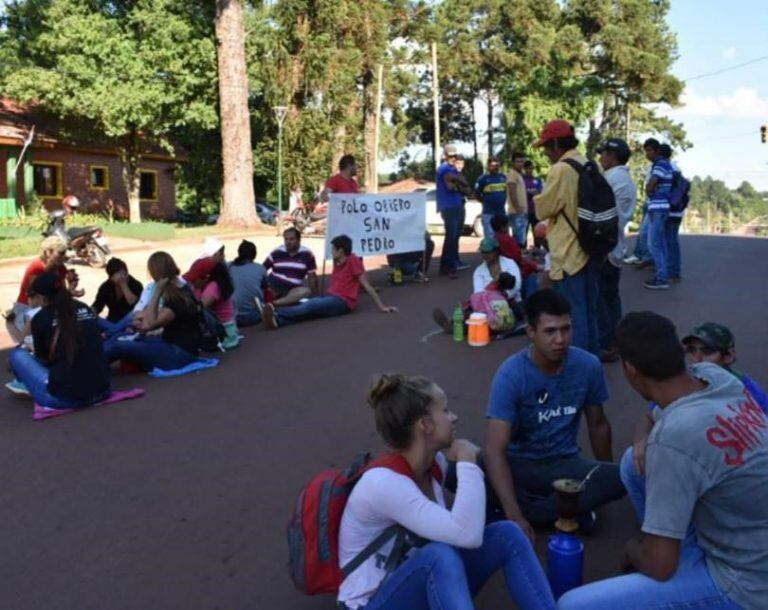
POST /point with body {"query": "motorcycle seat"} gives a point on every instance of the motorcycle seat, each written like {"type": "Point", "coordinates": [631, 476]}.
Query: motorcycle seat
{"type": "Point", "coordinates": [76, 232]}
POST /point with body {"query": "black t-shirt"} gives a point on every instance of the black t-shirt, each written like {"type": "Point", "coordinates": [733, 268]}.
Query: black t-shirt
{"type": "Point", "coordinates": [111, 297]}
{"type": "Point", "coordinates": [184, 330]}
{"type": "Point", "coordinates": [87, 376]}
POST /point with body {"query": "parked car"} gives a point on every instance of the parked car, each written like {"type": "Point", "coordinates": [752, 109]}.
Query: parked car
{"type": "Point", "coordinates": [267, 214]}
{"type": "Point", "coordinates": [473, 223]}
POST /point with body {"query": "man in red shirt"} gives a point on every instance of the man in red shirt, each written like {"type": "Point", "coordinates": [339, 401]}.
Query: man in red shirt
{"type": "Point", "coordinates": [340, 298]}
{"type": "Point", "coordinates": [343, 182]}
{"type": "Point", "coordinates": [53, 255]}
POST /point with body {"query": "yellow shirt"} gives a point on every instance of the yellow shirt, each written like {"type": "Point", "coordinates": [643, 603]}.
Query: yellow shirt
{"type": "Point", "coordinates": [561, 194]}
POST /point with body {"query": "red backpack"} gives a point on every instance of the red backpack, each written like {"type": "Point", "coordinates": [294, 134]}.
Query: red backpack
{"type": "Point", "coordinates": [313, 531]}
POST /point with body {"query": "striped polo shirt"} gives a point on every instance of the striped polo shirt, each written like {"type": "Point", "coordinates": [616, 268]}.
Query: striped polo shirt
{"type": "Point", "coordinates": [290, 271]}
{"type": "Point", "coordinates": [663, 172]}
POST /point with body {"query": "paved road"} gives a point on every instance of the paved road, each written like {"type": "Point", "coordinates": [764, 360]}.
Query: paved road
{"type": "Point", "coordinates": [180, 499]}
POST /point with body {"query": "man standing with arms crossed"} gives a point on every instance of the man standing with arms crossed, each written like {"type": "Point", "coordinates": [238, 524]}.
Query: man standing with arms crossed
{"type": "Point", "coordinates": [450, 182]}
{"type": "Point", "coordinates": [491, 189]}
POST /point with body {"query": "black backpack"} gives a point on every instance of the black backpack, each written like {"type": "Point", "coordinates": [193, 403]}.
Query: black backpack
{"type": "Point", "coordinates": [598, 218]}
{"type": "Point", "coordinates": [211, 331]}
{"type": "Point", "coordinates": [680, 194]}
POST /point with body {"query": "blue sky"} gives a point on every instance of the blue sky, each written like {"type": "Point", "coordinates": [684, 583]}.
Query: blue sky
{"type": "Point", "coordinates": [723, 113]}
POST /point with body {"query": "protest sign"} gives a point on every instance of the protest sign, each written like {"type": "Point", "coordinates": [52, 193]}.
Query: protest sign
{"type": "Point", "coordinates": [383, 223]}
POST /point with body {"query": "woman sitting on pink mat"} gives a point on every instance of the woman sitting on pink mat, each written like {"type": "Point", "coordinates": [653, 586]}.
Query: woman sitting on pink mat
{"type": "Point", "coordinates": [68, 368]}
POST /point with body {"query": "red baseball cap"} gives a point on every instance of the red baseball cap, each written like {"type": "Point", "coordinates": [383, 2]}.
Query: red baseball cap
{"type": "Point", "coordinates": [559, 128]}
{"type": "Point", "coordinates": [200, 269]}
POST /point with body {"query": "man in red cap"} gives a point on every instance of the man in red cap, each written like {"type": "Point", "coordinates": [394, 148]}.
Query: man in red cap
{"type": "Point", "coordinates": [573, 273]}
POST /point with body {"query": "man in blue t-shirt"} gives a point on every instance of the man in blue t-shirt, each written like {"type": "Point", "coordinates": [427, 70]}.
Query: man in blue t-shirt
{"type": "Point", "coordinates": [451, 184]}
{"type": "Point", "coordinates": [491, 189]}
{"type": "Point", "coordinates": [537, 399]}
{"type": "Point", "coordinates": [658, 189]}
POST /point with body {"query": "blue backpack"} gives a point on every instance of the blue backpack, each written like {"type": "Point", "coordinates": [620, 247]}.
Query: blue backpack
{"type": "Point", "coordinates": [679, 195]}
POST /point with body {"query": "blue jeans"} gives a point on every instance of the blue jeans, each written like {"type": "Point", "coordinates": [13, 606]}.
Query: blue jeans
{"type": "Point", "coordinates": [34, 374]}
{"type": "Point", "coordinates": [519, 225]}
{"type": "Point", "coordinates": [453, 221]}
{"type": "Point", "coordinates": [583, 293]}
{"type": "Point", "coordinates": [530, 285]}
{"type": "Point", "coordinates": [672, 230]}
{"type": "Point", "coordinates": [318, 307]}
{"type": "Point", "coordinates": [657, 242]}
{"type": "Point", "coordinates": [487, 228]}
{"type": "Point", "coordinates": [609, 306]}
{"type": "Point", "coordinates": [641, 242]}
{"type": "Point", "coordinates": [149, 353]}
{"type": "Point", "coordinates": [115, 328]}
{"type": "Point", "coordinates": [248, 319]}
{"type": "Point", "coordinates": [690, 587]}
{"type": "Point", "coordinates": [441, 577]}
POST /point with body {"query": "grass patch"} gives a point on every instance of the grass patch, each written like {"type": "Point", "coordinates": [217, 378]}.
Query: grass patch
{"type": "Point", "coordinates": [19, 246]}
{"type": "Point", "coordinates": [148, 230]}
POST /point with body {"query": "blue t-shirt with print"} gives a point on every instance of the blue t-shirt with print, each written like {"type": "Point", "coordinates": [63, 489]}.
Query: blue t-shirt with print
{"type": "Point", "coordinates": [663, 171]}
{"type": "Point", "coordinates": [446, 200]}
{"type": "Point", "coordinates": [545, 410]}
{"type": "Point", "coordinates": [493, 190]}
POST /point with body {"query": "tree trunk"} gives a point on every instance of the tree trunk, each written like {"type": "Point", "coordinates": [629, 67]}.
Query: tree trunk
{"type": "Point", "coordinates": [131, 174]}
{"type": "Point", "coordinates": [490, 124]}
{"type": "Point", "coordinates": [238, 207]}
{"type": "Point", "coordinates": [369, 129]}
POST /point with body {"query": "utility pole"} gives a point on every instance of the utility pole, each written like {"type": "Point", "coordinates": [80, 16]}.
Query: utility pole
{"type": "Point", "coordinates": [280, 112]}
{"type": "Point", "coordinates": [377, 134]}
{"type": "Point", "coordinates": [436, 104]}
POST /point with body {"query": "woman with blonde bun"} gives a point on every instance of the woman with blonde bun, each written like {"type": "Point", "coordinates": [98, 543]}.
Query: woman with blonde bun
{"type": "Point", "coordinates": [456, 553]}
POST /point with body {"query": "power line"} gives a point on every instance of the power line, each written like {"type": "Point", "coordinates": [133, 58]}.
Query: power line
{"type": "Point", "coordinates": [722, 71]}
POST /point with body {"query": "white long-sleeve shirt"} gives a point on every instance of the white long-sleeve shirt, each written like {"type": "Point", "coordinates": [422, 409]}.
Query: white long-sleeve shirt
{"type": "Point", "coordinates": [482, 277]}
{"type": "Point", "coordinates": [625, 193]}
{"type": "Point", "coordinates": [382, 498]}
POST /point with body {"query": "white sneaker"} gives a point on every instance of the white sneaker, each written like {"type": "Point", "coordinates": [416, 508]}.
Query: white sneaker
{"type": "Point", "coordinates": [631, 260]}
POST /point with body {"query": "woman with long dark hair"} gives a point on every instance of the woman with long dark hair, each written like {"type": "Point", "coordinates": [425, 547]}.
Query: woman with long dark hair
{"type": "Point", "coordinates": [250, 280]}
{"type": "Point", "coordinates": [68, 368]}
{"type": "Point", "coordinates": [172, 310]}
{"type": "Point", "coordinates": [460, 553]}
{"type": "Point", "coordinates": [212, 285]}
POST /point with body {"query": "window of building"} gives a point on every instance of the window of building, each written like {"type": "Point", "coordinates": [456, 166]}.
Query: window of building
{"type": "Point", "coordinates": [46, 178]}
{"type": "Point", "coordinates": [148, 185]}
{"type": "Point", "coordinates": [99, 177]}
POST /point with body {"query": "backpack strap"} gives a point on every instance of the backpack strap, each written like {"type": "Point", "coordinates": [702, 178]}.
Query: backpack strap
{"type": "Point", "coordinates": [579, 168]}
{"type": "Point", "coordinates": [375, 545]}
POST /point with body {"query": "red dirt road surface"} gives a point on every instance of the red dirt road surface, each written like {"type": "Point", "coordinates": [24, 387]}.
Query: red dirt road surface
{"type": "Point", "coordinates": [179, 500]}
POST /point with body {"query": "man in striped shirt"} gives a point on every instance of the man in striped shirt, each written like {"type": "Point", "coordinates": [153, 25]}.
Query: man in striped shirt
{"type": "Point", "coordinates": [289, 266]}
{"type": "Point", "coordinates": [658, 190]}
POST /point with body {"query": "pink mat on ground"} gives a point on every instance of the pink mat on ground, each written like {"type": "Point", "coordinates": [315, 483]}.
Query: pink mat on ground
{"type": "Point", "coordinates": [41, 412]}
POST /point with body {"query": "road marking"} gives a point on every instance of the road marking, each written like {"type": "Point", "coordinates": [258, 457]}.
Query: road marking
{"type": "Point", "coordinates": [430, 334]}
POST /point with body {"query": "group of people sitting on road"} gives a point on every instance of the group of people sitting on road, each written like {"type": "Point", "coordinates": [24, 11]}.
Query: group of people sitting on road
{"type": "Point", "coordinates": [65, 349]}
{"type": "Point", "coordinates": [695, 474]}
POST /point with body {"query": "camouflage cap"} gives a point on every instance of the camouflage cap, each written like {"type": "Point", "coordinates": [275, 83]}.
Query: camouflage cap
{"type": "Point", "coordinates": [713, 335]}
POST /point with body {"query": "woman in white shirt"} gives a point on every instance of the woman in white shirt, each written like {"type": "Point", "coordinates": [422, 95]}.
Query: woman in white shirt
{"type": "Point", "coordinates": [493, 266]}
{"type": "Point", "coordinates": [460, 553]}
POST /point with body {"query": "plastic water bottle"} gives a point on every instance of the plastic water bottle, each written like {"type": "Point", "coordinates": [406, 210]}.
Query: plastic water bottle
{"type": "Point", "coordinates": [458, 324]}
{"type": "Point", "coordinates": [565, 563]}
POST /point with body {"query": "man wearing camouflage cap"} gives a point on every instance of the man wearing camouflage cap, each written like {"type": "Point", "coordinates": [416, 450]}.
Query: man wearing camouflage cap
{"type": "Point", "coordinates": [713, 342]}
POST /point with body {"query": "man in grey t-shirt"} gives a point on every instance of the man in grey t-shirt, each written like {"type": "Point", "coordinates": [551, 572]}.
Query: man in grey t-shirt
{"type": "Point", "coordinates": [704, 498]}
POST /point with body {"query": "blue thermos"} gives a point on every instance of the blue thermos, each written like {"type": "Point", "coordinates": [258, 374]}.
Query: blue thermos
{"type": "Point", "coordinates": [565, 563]}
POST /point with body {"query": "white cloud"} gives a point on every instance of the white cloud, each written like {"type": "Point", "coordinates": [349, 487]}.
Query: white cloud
{"type": "Point", "coordinates": [729, 53]}
{"type": "Point", "coordinates": [743, 103]}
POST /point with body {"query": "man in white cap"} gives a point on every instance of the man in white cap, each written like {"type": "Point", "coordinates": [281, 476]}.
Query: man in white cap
{"type": "Point", "coordinates": [450, 203]}
{"type": "Point", "coordinates": [213, 248]}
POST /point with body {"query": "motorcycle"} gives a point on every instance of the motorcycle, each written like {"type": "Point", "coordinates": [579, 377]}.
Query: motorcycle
{"type": "Point", "coordinates": [86, 243]}
{"type": "Point", "coordinates": [306, 219]}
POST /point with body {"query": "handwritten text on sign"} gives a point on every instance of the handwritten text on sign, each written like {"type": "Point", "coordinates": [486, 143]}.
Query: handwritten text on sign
{"type": "Point", "coordinates": [383, 223]}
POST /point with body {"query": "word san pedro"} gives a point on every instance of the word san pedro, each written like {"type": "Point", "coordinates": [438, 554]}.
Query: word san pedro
{"type": "Point", "coordinates": [377, 224]}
